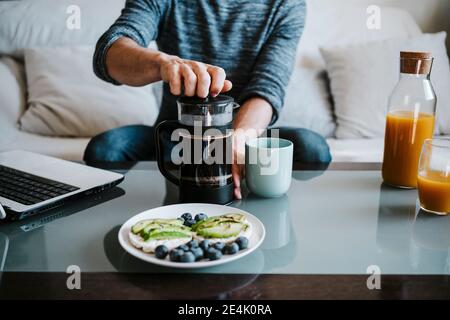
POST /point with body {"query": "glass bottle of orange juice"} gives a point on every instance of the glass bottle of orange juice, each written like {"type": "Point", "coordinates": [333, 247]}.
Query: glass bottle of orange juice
{"type": "Point", "coordinates": [410, 120]}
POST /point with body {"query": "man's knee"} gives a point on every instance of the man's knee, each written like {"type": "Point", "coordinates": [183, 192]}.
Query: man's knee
{"type": "Point", "coordinates": [309, 147]}
{"type": "Point", "coordinates": [105, 147]}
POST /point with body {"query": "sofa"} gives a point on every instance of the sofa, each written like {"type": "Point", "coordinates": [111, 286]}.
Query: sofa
{"type": "Point", "coordinates": [29, 24]}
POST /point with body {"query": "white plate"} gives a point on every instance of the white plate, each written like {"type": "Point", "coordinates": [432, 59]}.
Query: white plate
{"type": "Point", "coordinates": [175, 211]}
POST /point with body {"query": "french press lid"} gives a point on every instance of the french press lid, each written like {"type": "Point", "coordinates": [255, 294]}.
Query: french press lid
{"type": "Point", "coordinates": [209, 101]}
{"type": "Point", "coordinates": [211, 111]}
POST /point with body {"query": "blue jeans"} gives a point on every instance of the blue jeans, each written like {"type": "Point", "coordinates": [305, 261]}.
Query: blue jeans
{"type": "Point", "coordinates": [137, 143]}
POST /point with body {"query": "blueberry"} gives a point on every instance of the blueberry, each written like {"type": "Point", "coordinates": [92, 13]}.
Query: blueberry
{"type": "Point", "coordinates": [200, 217]}
{"type": "Point", "coordinates": [213, 254]}
{"type": "Point", "coordinates": [187, 257]}
{"type": "Point", "coordinates": [219, 246]}
{"type": "Point", "coordinates": [183, 247]}
{"type": "Point", "coordinates": [193, 244]}
{"type": "Point", "coordinates": [231, 248]}
{"type": "Point", "coordinates": [189, 222]}
{"type": "Point", "coordinates": [161, 251]}
{"type": "Point", "coordinates": [186, 216]}
{"type": "Point", "coordinates": [204, 245]}
{"type": "Point", "coordinates": [198, 253]}
{"type": "Point", "coordinates": [242, 242]}
{"type": "Point", "coordinates": [175, 255]}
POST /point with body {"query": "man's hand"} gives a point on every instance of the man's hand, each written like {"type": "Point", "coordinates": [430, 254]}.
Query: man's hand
{"type": "Point", "coordinates": [252, 119]}
{"type": "Point", "coordinates": [199, 79]}
{"type": "Point", "coordinates": [240, 136]}
{"type": "Point", "coordinates": [131, 64]}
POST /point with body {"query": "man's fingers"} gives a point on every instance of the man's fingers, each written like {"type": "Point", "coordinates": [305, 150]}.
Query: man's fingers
{"type": "Point", "coordinates": [217, 80]}
{"type": "Point", "coordinates": [190, 80]}
{"type": "Point", "coordinates": [175, 80]}
{"type": "Point", "coordinates": [227, 86]}
{"type": "Point", "coordinates": [198, 79]}
{"type": "Point", "coordinates": [203, 79]}
{"type": "Point", "coordinates": [236, 173]}
{"type": "Point", "coordinates": [237, 193]}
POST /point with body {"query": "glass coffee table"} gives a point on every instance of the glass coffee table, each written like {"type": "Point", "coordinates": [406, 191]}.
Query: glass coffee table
{"type": "Point", "coordinates": [324, 239]}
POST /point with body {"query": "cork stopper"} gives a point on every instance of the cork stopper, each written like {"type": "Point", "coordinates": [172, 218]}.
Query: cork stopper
{"type": "Point", "coordinates": [416, 62]}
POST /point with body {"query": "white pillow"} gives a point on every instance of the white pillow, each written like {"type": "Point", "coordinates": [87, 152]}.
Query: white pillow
{"type": "Point", "coordinates": [30, 23]}
{"type": "Point", "coordinates": [12, 93]}
{"type": "Point", "coordinates": [364, 75]}
{"type": "Point", "coordinates": [331, 23]}
{"type": "Point", "coordinates": [65, 98]}
{"type": "Point", "coordinates": [307, 103]}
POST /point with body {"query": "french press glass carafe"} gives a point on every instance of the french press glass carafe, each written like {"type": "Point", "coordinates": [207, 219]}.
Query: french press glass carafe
{"type": "Point", "coordinates": [195, 152]}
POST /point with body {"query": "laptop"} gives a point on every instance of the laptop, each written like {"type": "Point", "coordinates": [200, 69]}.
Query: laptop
{"type": "Point", "coordinates": [31, 183]}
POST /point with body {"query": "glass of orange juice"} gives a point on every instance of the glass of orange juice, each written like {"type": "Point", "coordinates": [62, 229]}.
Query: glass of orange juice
{"type": "Point", "coordinates": [434, 176]}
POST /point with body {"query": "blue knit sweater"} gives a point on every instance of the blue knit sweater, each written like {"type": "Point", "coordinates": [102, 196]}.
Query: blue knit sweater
{"type": "Point", "coordinates": [254, 41]}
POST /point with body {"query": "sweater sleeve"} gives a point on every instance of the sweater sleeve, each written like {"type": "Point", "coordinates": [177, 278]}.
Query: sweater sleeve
{"type": "Point", "coordinates": [138, 21]}
{"type": "Point", "coordinates": [275, 61]}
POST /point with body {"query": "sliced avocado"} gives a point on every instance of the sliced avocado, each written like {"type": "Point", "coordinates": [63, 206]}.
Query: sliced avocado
{"type": "Point", "coordinates": [223, 230]}
{"type": "Point", "coordinates": [211, 222]}
{"type": "Point", "coordinates": [166, 235]}
{"type": "Point", "coordinates": [144, 223]}
{"type": "Point", "coordinates": [149, 231]}
{"type": "Point", "coordinates": [140, 225]}
{"type": "Point", "coordinates": [176, 222]}
{"type": "Point", "coordinates": [156, 226]}
{"type": "Point", "coordinates": [171, 228]}
{"type": "Point", "coordinates": [238, 217]}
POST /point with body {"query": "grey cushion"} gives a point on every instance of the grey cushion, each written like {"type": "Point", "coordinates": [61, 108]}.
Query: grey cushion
{"type": "Point", "coordinates": [307, 103]}
{"type": "Point", "coordinates": [66, 99]}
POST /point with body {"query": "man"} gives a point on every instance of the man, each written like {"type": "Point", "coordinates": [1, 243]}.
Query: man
{"type": "Point", "coordinates": [245, 48]}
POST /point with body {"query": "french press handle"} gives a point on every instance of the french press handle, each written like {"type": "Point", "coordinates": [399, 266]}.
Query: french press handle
{"type": "Point", "coordinates": [163, 143]}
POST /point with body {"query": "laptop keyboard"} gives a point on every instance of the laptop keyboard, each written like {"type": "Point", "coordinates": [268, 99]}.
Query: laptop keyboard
{"type": "Point", "coordinates": [28, 189]}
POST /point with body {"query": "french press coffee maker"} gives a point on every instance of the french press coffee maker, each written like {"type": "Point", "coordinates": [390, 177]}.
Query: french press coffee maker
{"type": "Point", "coordinates": [195, 152]}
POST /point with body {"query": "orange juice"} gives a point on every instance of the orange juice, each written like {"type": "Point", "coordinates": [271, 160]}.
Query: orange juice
{"type": "Point", "coordinates": [434, 191]}
{"type": "Point", "coordinates": [405, 133]}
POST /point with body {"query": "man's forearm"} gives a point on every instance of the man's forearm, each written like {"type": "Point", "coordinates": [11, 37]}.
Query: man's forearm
{"type": "Point", "coordinates": [256, 113]}
{"type": "Point", "coordinates": [252, 119]}
{"type": "Point", "coordinates": [130, 64]}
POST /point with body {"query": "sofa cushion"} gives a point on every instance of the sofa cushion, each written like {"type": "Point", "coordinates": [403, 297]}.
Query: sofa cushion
{"type": "Point", "coordinates": [364, 75]}
{"type": "Point", "coordinates": [65, 98]}
{"type": "Point", "coordinates": [331, 23]}
{"type": "Point", "coordinates": [358, 150]}
{"type": "Point", "coordinates": [12, 92]}
{"type": "Point", "coordinates": [63, 148]}
{"type": "Point", "coordinates": [25, 24]}
{"type": "Point", "coordinates": [308, 102]}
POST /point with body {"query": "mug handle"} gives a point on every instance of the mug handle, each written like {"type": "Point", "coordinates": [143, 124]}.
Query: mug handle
{"type": "Point", "coordinates": [161, 128]}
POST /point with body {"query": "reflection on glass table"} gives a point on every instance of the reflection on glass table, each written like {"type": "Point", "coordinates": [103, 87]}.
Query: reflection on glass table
{"type": "Point", "coordinates": [397, 210]}
{"type": "Point", "coordinates": [330, 222]}
{"type": "Point", "coordinates": [405, 232]}
{"type": "Point", "coordinates": [431, 239]}
{"type": "Point", "coordinates": [23, 242]}
{"type": "Point", "coordinates": [279, 244]}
